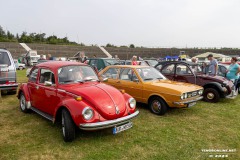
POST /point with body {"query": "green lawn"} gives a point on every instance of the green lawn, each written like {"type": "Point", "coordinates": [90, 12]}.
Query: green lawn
{"type": "Point", "coordinates": [180, 134]}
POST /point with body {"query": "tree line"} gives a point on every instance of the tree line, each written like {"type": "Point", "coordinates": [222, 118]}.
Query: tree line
{"type": "Point", "coordinates": [7, 36]}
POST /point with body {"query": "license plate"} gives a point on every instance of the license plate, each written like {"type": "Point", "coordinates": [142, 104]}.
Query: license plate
{"type": "Point", "coordinates": [191, 104]}
{"type": "Point", "coordinates": [121, 128]}
{"type": "Point", "coordinates": [3, 69]}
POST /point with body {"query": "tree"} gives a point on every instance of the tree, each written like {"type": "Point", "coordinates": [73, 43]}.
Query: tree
{"type": "Point", "coordinates": [131, 46]}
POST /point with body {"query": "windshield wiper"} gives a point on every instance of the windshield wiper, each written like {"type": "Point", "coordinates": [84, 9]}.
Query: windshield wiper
{"type": "Point", "coordinates": [148, 79]}
{"type": "Point", "coordinates": [159, 78]}
{"type": "Point", "coordinates": [67, 81]}
{"type": "Point", "coordinates": [80, 81]}
{"type": "Point", "coordinates": [91, 79]}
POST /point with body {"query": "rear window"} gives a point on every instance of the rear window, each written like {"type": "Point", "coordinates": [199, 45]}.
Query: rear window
{"type": "Point", "coordinates": [4, 58]}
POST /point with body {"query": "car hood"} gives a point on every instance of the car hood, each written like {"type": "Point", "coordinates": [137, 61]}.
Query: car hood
{"type": "Point", "coordinates": [174, 87]}
{"type": "Point", "coordinates": [106, 99]}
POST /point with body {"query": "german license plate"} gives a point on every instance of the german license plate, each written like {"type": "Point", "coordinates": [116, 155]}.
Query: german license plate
{"type": "Point", "coordinates": [3, 69]}
{"type": "Point", "coordinates": [121, 128]}
{"type": "Point", "coordinates": [191, 104]}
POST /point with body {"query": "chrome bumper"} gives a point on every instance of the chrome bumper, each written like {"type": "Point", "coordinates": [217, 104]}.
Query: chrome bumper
{"type": "Point", "coordinates": [8, 86]}
{"type": "Point", "coordinates": [190, 101]}
{"type": "Point", "coordinates": [107, 124]}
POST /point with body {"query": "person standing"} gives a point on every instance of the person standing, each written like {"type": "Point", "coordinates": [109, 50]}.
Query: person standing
{"type": "Point", "coordinates": [82, 57]}
{"type": "Point", "coordinates": [233, 71]}
{"type": "Point", "coordinates": [213, 65]}
{"type": "Point", "coordinates": [134, 60]}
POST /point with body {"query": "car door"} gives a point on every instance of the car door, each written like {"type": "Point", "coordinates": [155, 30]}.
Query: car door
{"type": "Point", "coordinates": [130, 82]}
{"type": "Point", "coordinates": [168, 71]}
{"type": "Point", "coordinates": [33, 88]}
{"type": "Point", "coordinates": [184, 74]}
{"type": "Point", "coordinates": [47, 91]}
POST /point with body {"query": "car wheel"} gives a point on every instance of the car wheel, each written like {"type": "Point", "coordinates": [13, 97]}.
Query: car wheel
{"type": "Point", "coordinates": [211, 95]}
{"type": "Point", "coordinates": [158, 106]}
{"type": "Point", "coordinates": [68, 126]}
{"type": "Point", "coordinates": [23, 103]}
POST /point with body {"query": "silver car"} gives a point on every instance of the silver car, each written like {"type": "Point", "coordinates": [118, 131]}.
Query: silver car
{"type": "Point", "coordinates": [8, 79]}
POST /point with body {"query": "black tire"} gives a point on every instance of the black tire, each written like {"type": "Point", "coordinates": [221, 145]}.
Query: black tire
{"type": "Point", "coordinates": [23, 104]}
{"type": "Point", "coordinates": [68, 126]}
{"type": "Point", "coordinates": [157, 106]}
{"type": "Point", "coordinates": [211, 95]}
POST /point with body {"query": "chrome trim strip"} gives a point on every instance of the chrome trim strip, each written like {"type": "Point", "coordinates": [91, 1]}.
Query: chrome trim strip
{"type": "Point", "coordinates": [190, 101]}
{"type": "Point", "coordinates": [42, 114]}
{"type": "Point", "coordinates": [109, 123]}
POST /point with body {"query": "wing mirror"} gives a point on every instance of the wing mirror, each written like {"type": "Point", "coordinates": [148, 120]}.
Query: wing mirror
{"type": "Point", "coordinates": [47, 83]}
{"type": "Point", "coordinates": [135, 80]}
{"type": "Point", "coordinates": [105, 79]}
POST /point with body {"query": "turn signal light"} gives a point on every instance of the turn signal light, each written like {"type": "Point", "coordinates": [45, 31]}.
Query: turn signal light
{"type": "Point", "coordinates": [79, 98]}
{"type": "Point", "coordinates": [122, 91]}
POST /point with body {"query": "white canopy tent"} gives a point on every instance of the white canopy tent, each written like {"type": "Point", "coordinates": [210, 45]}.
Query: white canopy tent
{"type": "Point", "coordinates": [220, 57]}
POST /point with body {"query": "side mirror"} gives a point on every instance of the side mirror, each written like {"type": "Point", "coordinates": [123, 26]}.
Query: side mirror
{"type": "Point", "coordinates": [135, 80]}
{"type": "Point", "coordinates": [105, 79]}
{"type": "Point", "coordinates": [47, 83]}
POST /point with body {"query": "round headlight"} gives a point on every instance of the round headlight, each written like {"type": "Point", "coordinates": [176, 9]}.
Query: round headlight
{"type": "Point", "coordinates": [185, 95]}
{"type": "Point", "coordinates": [87, 113]}
{"type": "Point", "coordinates": [182, 96]}
{"type": "Point", "coordinates": [200, 92]}
{"type": "Point", "coordinates": [132, 103]}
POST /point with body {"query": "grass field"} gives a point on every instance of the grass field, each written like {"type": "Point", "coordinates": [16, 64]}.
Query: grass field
{"type": "Point", "coordinates": [180, 134]}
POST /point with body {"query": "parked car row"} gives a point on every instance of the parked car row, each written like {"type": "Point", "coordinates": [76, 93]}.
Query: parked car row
{"type": "Point", "coordinates": [75, 95]}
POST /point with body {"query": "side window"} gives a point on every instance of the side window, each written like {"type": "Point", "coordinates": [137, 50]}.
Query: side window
{"type": "Point", "coordinates": [46, 75]}
{"type": "Point", "coordinates": [128, 75]}
{"type": "Point", "coordinates": [183, 70]}
{"type": "Point", "coordinates": [168, 69]}
{"type": "Point", "coordinates": [93, 62]}
{"type": "Point", "coordinates": [33, 75]}
{"type": "Point", "coordinates": [112, 73]}
{"type": "Point", "coordinates": [159, 67]}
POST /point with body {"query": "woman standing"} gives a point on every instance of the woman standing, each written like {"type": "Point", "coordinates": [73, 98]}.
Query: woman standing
{"type": "Point", "coordinates": [233, 70]}
{"type": "Point", "coordinates": [134, 60]}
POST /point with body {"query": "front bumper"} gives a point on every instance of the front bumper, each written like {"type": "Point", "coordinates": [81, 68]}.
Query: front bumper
{"type": "Point", "coordinates": [108, 124]}
{"type": "Point", "coordinates": [12, 86]}
{"type": "Point", "coordinates": [184, 103]}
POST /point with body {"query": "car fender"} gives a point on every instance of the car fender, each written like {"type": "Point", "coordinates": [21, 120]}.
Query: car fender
{"type": "Point", "coordinates": [75, 112]}
{"type": "Point", "coordinates": [216, 85]}
{"type": "Point", "coordinates": [23, 88]}
{"type": "Point", "coordinates": [157, 94]}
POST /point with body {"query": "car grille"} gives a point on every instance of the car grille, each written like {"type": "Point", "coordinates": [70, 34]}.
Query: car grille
{"type": "Point", "coordinates": [193, 94]}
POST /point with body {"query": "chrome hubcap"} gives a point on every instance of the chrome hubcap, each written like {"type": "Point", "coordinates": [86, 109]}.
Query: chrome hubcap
{"type": "Point", "coordinates": [22, 102]}
{"type": "Point", "coordinates": [63, 126]}
{"type": "Point", "coordinates": [210, 96]}
{"type": "Point", "coordinates": [156, 106]}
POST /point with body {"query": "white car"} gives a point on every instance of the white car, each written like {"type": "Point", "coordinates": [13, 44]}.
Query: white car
{"type": "Point", "coordinates": [19, 66]}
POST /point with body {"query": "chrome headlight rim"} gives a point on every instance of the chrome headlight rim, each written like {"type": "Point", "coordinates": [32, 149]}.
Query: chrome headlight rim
{"type": "Point", "coordinates": [185, 95]}
{"type": "Point", "coordinates": [200, 92]}
{"type": "Point", "coordinates": [87, 113]}
{"type": "Point", "coordinates": [132, 103]}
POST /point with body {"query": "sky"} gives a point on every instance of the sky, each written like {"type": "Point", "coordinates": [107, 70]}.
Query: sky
{"type": "Point", "coordinates": [148, 23]}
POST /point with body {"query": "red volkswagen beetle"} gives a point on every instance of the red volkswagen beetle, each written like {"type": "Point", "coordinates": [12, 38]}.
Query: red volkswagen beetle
{"type": "Point", "coordinates": [70, 92]}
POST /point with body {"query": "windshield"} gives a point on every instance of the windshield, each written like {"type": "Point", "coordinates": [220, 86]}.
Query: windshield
{"type": "Point", "coordinates": [110, 62]}
{"type": "Point", "coordinates": [152, 62]}
{"type": "Point", "coordinates": [4, 59]}
{"type": "Point", "coordinates": [76, 74]}
{"type": "Point", "coordinates": [149, 73]}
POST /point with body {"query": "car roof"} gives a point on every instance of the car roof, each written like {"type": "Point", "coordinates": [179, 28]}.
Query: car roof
{"type": "Point", "coordinates": [129, 66]}
{"type": "Point", "coordinates": [171, 62]}
{"type": "Point", "coordinates": [58, 64]}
